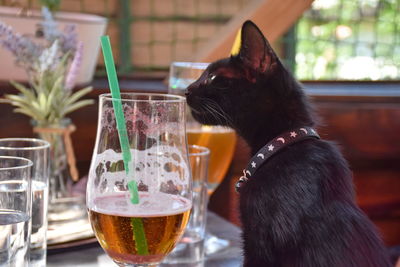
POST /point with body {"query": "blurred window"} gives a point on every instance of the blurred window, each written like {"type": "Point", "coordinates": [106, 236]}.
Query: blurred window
{"type": "Point", "coordinates": [346, 40]}
{"type": "Point", "coordinates": [333, 40]}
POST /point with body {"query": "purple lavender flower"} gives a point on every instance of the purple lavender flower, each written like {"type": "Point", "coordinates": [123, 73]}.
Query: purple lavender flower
{"type": "Point", "coordinates": [48, 58]}
{"type": "Point", "coordinates": [44, 56]}
{"type": "Point", "coordinates": [27, 53]}
{"type": "Point", "coordinates": [50, 30]}
{"type": "Point", "coordinates": [74, 68]}
{"type": "Point", "coordinates": [69, 39]}
{"type": "Point", "coordinates": [23, 48]}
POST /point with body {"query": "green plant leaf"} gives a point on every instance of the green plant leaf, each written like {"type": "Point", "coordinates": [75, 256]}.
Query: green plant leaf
{"type": "Point", "coordinates": [26, 92]}
{"type": "Point", "coordinates": [57, 85]}
{"type": "Point", "coordinates": [38, 87]}
{"type": "Point", "coordinates": [35, 105]}
{"type": "Point", "coordinates": [77, 95]}
{"type": "Point", "coordinates": [50, 100]}
{"type": "Point", "coordinates": [77, 105]}
{"type": "Point", "coordinates": [18, 98]}
{"type": "Point", "coordinates": [46, 100]}
{"type": "Point", "coordinates": [28, 109]}
{"type": "Point", "coordinates": [25, 112]}
{"type": "Point", "coordinates": [42, 101]}
{"type": "Point", "coordinates": [22, 104]}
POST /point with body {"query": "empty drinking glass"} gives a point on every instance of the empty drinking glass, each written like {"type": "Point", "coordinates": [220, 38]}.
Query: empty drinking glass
{"type": "Point", "coordinates": [15, 210]}
{"type": "Point", "coordinates": [37, 151]}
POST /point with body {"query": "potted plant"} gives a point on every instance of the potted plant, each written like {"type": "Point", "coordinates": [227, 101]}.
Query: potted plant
{"type": "Point", "coordinates": [88, 29]}
{"type": "Point", "coordinates": [51, 65]}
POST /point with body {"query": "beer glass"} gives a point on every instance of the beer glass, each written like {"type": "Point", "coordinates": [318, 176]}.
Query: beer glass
{"type": "Point", "coordinates": [143, 233]}
{"type": "Point", "coordinates": [220, 140]}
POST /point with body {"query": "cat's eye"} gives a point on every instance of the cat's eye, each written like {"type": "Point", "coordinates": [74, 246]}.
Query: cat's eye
{"type": "Point", "coordinates": [211, 77]}
{"type": "Point", "coordinates": [219, 82]}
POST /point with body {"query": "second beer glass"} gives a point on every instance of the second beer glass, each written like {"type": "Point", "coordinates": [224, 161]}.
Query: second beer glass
{"type": "Point", "coordinates": [220, 140]}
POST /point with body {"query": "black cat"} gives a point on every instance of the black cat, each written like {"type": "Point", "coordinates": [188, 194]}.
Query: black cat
{"type": "Point", "coordinates": [299, 208]}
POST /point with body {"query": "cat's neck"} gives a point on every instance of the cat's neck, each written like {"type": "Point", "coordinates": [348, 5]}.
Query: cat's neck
{"type": "Point", "coordinates": [262, 129]}
{"type": "Point", "coordinates": [262, 134]}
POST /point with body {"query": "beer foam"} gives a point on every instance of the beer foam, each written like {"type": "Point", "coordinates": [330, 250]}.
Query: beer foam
{"type": "Point", "coordinates": [157, 168]}
{"type": "Point", "coordinates": [151, 205]}
{"type": "Point", "coordinates": [208, 129]}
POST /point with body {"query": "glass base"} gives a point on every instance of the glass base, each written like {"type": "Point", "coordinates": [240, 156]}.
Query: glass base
{"type": "Point", "coordinates": [214, 244]}
{"type": "Point", "coordinates": [189, 250]}
{"type": "Point", "coordinates": [131, 260]}
{"type": "Point", "coordinates": [66, 209]}
{"type": "Point", "coordinates": [136, 265]}
{"type": "Point", "coordinates": [37, 258]}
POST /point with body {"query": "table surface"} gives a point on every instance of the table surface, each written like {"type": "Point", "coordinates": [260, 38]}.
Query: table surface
{"type": "Point", "coordinates": [94, 256]}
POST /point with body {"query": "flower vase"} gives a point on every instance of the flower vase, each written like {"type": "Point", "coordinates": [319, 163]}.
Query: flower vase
{"type": "Point", "coordinates": [64, 205]}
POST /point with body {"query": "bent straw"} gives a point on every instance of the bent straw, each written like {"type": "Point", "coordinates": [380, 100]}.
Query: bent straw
{"type": "Point", "coordinates": [137, 224]}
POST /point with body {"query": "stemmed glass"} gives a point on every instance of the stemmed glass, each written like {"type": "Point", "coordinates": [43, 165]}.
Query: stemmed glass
{"type": "Point", "coordinates": [140, 234]}
{"type": "Point", "coordinates": [220, 140]}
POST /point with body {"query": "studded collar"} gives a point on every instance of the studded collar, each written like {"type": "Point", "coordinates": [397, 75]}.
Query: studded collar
{"type": "Point", "coordinates": [272, 148]}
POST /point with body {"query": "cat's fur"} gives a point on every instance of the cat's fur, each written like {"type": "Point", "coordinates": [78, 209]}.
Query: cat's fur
{"type": "Point", "coordinates": [299, 208]}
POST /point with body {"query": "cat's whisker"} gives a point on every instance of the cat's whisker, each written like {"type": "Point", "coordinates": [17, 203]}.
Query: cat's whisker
{"type": "Point", "coordinates": [214, 113]}
{"type": "Point", "coordinates": [195, 110]}
{"type": "Point", "coordinates": [211, 112]}
{"type": "Point", "coordinates": [218, 115]}
{"type": "Point", "coordinates": [203, 109]}
{"type": "Point", "coordinates": [222, 114]}
{"type": "Point", "coordinates": [219, 112]}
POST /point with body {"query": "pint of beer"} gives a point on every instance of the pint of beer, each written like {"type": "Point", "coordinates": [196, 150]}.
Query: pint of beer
{"type": "Point", "coordinates": [163, 225]}
{"type": "Point", "coordinates": [221, 141]}
{"type": "Point", "coordinates": [139, 191]}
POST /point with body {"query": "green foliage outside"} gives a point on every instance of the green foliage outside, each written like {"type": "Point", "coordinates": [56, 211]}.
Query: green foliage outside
{"type": "Point", "coordinates": [350, 40]}
{"type": "Point", "coordinates": [52, 5]}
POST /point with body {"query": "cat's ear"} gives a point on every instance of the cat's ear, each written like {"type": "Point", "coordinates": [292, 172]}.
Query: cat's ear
{"type": "Point", "coordinates": [255, 51]}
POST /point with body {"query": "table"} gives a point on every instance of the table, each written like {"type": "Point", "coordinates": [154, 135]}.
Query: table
{"type": "Point", "coordinates": [94, 256]}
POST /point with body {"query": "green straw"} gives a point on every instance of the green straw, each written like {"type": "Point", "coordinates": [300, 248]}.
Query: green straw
{"type": "Point", "coordinates": [119, 113]}
{"type": "Point", "coordinates": [137, 224]}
